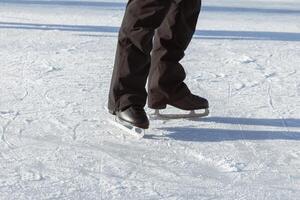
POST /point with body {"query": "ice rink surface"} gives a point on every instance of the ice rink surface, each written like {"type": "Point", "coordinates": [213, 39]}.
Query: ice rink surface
{"type": "Point", "coordinates": [56, 61]}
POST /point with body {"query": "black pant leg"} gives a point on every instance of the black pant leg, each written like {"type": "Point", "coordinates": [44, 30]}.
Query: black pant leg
{"type": "Point", "coordinates": [166, 78]}
{"type": "Point", "coordinates": [132, 60]}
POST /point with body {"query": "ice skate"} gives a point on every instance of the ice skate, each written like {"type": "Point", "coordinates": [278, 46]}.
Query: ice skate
{"type": "Point", "coordinates": [135, 116]}
{"type": "Point", "coordinates": [197, 107]}
{"type": "Point", "coordinates": [133, 120]}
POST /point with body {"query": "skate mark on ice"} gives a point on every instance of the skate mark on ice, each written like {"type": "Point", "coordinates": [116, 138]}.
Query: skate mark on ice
{"type": "Point", "coordinates": [271, 105]}
{"type": "Point", "coordinates": [298, 89]}
{"type": "Point", "coordinates": [4, 129]}
{"type": "Point", "coordinates": [52, 69]}
{"type": "Point", "coordinates": [214, 162]}
{"type": "Point", "coordinates": [243, 59]}
{"type": "Point", "coordinates": [49, 98]}
{"type": "Point", "coordinates": [111, 133]}
{"type": "Point", "coordinates": [31, 172]}
{"type": "Point", "coordinates": [229, 101]}
{"type": "Point", "coordinates": [21, 96]}
{"type": "Point", "coordinates": [269, 74]}
{"type": "Point", "coordinates": [72, 128]}
{"type": "Point", "coordinates": [74, 137]}
{"type": "Point", "coordinates": [244, 144]}
{"type": "Point", "coordinates": [116, 152]}
{"type": "Point", "coordinates": [89, 85]}
{"type": "Point", "coordinates": [239, 86]}
{"type": "Point", "coordinates": [270, 99]}
{"type": "Point", "coordinates": [206, 76]}
{"type": "Point", "coordinates": [6, 112]}
{"type": "Point", "coordinates": [224, 164]}
{"type": "Point", "coordinates": [267, 77]}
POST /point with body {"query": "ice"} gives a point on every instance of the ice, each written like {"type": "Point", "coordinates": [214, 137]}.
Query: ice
{"type": "Point", "coordinates": [55, 140]}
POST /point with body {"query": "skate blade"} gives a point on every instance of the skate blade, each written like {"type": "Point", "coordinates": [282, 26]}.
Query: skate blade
{"type": "Point", "coordinates": [128, 128]}
{"type": "Point", "coordinates": [192, 114]}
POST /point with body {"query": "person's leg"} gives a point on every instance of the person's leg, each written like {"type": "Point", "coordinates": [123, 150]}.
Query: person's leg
{"type": "Point", "coordinates": [132, 61]}
{"type": "Point", "coordinates": [170, 41]}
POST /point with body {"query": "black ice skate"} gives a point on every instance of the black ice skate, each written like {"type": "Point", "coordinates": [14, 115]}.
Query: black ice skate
{"type": "Point", "coordinates": [133, 120]}
{"type": "Point", "coordinates": [134, 115]}
{"type": "Point", "coordinates": [198, 107]}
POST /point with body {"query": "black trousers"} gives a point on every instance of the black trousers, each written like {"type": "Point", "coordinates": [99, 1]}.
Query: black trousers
{"type": "Point", "coordinates": [153, 37]}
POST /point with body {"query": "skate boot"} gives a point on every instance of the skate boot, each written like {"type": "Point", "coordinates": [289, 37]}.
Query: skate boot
{"type": "Point", "coordinates": [134, 116]}
{"type": "Point", "coordinates": [191, 102]}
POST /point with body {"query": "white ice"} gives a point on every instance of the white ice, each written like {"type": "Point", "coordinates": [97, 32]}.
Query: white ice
{"type": "Point", "coordinates": [56, 61]}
